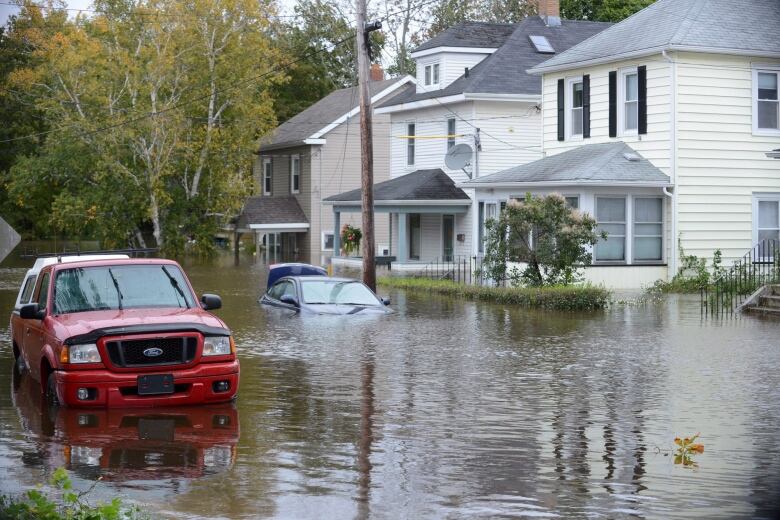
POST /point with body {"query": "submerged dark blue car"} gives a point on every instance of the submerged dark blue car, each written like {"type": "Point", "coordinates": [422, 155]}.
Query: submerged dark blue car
{"type": "Point", "coordinates": [307, 288]}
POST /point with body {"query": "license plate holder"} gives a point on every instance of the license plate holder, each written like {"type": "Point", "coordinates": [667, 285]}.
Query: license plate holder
{"type": "Point", "coordinates": [155, 384]}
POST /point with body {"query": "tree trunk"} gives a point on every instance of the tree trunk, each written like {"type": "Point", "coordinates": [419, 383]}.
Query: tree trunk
{"type": "Point", "coordinates": [158, 234]}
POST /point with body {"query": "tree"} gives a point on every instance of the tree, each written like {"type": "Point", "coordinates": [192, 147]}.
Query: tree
{"type": "Point", "coordinates": [544, 233]}
{"type": "Point", "coordinates": [601, 10]}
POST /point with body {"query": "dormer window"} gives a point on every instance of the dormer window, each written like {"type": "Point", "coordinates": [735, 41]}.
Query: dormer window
{"type": "Point", "coordinates": [541, 44]}
{"type": "Point", "coordinates": [432, 74]}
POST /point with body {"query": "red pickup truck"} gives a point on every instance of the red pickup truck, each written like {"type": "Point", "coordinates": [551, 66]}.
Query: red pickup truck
{"type": "Point", "coordinates": [113, 331]}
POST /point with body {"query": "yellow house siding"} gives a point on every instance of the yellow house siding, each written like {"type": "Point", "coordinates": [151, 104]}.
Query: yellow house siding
{"type": "Point", "coordinates": [720, 163]}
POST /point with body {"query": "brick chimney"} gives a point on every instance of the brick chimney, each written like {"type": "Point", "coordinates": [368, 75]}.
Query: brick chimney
{"type": "Point", "coordinates": [376, 74]}
{"type": "Point", "coordinates": [550, 12]}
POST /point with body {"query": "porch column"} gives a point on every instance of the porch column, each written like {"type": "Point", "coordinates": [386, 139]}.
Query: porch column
{"type": "Point", "coordinates": [336, 231]}
{"type": "Point", "coordinates": [403, 242]}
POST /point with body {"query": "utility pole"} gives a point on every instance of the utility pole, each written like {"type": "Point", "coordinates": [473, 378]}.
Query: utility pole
{"type": "Point", "coordinates": [366, 144]}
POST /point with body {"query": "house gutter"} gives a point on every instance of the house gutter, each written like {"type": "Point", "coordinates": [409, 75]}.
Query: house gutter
{"type": "Point", "coordinates": [673, 157]}
{"type": "Point", "coordinates": [542, 184]}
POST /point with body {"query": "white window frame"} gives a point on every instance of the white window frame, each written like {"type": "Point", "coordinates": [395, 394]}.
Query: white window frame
{"type": "Point", "coordinates": [411, 144]}
{"type": "Point", "coordinates": [482, 228]}
{"type": "Point", "coordinates": [770, 69]}
{"type": "Point", "coordinates": [569, 106]}
{"type": "Point", "coordinates": [663, 229]}
{"type": "Point", "coordinates": [324, 240]}
{"type": "Point", "coordinates": [628, 252]}
{"type": "Point", "coordinates": [268, 176]}
{"type": "Point", "coordinates": [761, 197]}
{"type": "Point", "coordinates": [432, 74]}
{"type": "Point", "coordinates": [451, 140]}
{"type": "Point", "coordinates": [573, 196]}
{"type": "Point", "coordinates": [621, 109]}
{"type": "Point", "coordinates": [295, 171]}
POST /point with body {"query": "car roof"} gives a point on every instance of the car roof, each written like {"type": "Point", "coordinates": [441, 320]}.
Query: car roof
{"type": "Point", "coordinates": [42, 262]}
{"type": "Point", "coordinates": [114, 261]}
{"type": "Point", "coordinates": [321, 278]}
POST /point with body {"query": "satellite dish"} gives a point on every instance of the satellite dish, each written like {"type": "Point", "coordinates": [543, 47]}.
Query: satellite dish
{"type": "Point", "coordinates": [458, 156]}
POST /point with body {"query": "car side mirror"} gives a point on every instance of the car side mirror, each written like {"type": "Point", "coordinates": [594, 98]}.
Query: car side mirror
{"type": "Point", "coordinates": [209, 302]}
{"type": "Point", "coordinates": [386, 301]}
{"type": "Point", "coordinates": [31, 311]}
{"type": "Point", "coordinates": [289, 300]}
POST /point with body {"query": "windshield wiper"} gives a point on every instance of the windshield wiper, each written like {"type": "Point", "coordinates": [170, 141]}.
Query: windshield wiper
{"type": "Point", "coordinates": [175, 285]}
{"type": "Point", "coordinates": [116, 285]}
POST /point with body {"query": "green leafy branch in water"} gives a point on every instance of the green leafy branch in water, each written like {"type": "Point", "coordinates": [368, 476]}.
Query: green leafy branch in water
{"type": "Point", "coordinates": [686, 449]}
{"type": "Point", "coordinates": [69, 505]}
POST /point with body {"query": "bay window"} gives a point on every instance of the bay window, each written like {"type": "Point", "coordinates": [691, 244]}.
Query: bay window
{"type": "Point", "coordinates": [648, 229]}
{"type": "Point", "coordinates": [611, 217]}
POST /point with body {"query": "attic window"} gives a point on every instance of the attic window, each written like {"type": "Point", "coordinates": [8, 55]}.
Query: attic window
{"type": "Point", "coordinates": [542, 44]}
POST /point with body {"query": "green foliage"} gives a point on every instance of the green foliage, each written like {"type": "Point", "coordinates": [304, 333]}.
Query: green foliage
{"type": "Point", "coordinates": [66, 504]}
{"type": "Point", "coordinates": [693, 275]}
{"type": "Point", "coordinates": [563, 298]}
{"type": "Point", "coordinates": [601, 10]}
{"type": "Point", "coordinates": [544, 233]}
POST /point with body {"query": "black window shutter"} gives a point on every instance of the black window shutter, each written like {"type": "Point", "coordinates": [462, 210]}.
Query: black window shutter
{"type": "Point", "coordinates": [561, 134]}
{"type": "Point", "coordinates": [613, 103]}
{"type": "Point", "coordinates": [642, 84]}
{"type": "Point", "coordinates": [586, 106]}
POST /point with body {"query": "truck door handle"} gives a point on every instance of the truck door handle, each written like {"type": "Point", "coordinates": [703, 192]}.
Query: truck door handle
{"type": "Point", "coordinates": [28, 330]}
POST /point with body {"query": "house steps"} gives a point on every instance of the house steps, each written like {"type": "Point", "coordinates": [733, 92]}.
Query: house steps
{"type": "Point", "coordinates": [766, 301]}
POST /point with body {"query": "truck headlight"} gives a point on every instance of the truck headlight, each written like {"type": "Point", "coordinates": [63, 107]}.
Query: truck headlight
{"type": "Point", "coordinates": [87, 353]}
{"type": "Point", "coordinates": [216, 346]}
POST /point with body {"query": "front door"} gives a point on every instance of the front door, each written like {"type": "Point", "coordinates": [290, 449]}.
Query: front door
{"type": "Point", "coordinates": [448, 237]}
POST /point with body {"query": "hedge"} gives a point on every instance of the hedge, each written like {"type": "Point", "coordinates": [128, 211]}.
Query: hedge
{"type": "Point", "coordinates": [564, 298]}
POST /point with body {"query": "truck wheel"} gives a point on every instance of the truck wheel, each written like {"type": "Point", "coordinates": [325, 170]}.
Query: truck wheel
{"type": "Point", "coordinates": [51, 390]}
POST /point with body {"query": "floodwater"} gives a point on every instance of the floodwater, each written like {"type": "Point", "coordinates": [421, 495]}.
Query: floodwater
{"type": "Point", "coordinates": [445, 409]}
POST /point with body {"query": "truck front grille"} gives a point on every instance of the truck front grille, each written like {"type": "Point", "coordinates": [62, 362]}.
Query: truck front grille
{"type": "Point", "coordinates": [141, 352]}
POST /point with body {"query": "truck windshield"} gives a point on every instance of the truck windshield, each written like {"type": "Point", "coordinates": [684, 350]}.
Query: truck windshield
{"type": "Point", "coordinates": [335, 292]}
{"type": "Point", "coordinates": [84, 289]}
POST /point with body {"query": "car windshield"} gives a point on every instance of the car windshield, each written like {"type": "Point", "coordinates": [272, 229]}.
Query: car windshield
{"type": "Point", "coordinates": [337, 292]}
{"type": "Point", "coordinates": [120, 287]}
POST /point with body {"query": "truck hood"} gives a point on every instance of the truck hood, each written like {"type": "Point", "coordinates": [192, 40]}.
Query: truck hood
{"type": "Point", "coordinates": [140, 320]}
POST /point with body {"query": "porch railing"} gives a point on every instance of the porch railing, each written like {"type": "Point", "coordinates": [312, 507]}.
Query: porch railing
{"type": "Point", "coordinates": [459, 269]}
{"type": "Point", "coordinates": [758, 267]}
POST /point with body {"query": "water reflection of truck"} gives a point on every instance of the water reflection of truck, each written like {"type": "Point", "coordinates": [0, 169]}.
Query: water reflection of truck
{"type": "Point", "coordinates": [132, 444]}
{"type": "Point", "coordinates": [104, 331]}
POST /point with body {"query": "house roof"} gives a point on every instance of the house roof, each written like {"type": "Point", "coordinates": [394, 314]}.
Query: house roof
{"type": "Point", "coordinates": [324, 112]}
{"type": "Point", "coordinates": [750, 27]}
{"type": "Point", "coordinates": [598, 164]}
{"type": "Point", "coordinates": [262, 210]}
{"type": "Point", "coordinates": [421, 185]}
{"type": "Point", "coordinates": [470, 34]}
{"type": "Point", "coordinates": [504, 71]}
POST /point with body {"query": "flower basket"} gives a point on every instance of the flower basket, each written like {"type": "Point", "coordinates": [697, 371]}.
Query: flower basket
{"type": "Point", "coordinates": [350, 239]}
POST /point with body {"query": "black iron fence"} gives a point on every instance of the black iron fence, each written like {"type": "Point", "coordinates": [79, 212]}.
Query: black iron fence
{"type": "Point", "coordinates": [459, 269]}
{"type": "Point", "coordinates": [758, 267]}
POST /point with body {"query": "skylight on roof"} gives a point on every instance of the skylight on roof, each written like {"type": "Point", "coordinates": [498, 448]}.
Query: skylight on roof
{"type": "Point", "coordinates": [542, 44]}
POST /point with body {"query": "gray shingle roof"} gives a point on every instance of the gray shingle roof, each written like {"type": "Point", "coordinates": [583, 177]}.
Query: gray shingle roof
{"type": "Point", "coordinates": [602, 164]}
{"type": "Point", "coordinates": [432, 184]}
{"type": "Point", "coordinates": [471, 34]}
{"type": "Point", "coordinates": [504, 71]}
{"type": "Point", "coordinates": [322, 113]}
{"type": "Point", "coordinates": [748, 26]}
{"type": "Point", "coordinates": [271, 210]}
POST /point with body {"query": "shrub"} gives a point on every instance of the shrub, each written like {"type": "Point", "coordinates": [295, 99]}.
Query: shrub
{"type": "Point", "coordinates": [68, 505]}
{"type": "Point", "coordinates": [566, 298]}
{"type": "Point", "coordinates": [553, 239]}
{"type": "Point", "coordinates": [693, 274]}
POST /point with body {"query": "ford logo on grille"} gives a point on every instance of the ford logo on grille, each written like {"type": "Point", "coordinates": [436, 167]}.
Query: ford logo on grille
{"type": "Point", "coordinates": [153, 352]}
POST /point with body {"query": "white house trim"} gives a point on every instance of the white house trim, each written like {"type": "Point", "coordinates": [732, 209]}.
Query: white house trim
{"type": "Point", "coordinates": [454, 202]}
{"type": "Point", "coordinates": [542, 184]}
{"type": "Point", "coordinates": [276, 227]}
{"type": "Point", "coordinates": [315, 141]}
{"type": "Point", "coordinates": [462, 50]}
{"type": "Point", "coordinates": [324, 130]}
{"type": "Point", "coordinates": [529, 98]}
{"type": "Point", "coordinates": [423, 103]}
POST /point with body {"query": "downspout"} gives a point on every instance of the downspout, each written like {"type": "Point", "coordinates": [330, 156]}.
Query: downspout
{"type": "Point", "coordinates": [319, 190]}
{"type": "Point", "coordinates": [673, 156]}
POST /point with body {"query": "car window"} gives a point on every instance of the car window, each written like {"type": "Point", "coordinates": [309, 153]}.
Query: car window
{"type": "Point", "coordinates": [278, 289]}
{"type": "Point", "coordinates": [337, 292]}
{"type": "Point", "coordinates": [43, 292]}
{"type": "Point", "coordinates": [29, 285]}
{"type": "Point", "coordinates": [289, 289]}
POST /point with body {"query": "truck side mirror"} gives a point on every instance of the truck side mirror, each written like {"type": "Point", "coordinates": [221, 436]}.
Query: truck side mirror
{"type": "Point", "coordinates": [209, 302]}
{"type": "Point", "coordinates": [32, 312]}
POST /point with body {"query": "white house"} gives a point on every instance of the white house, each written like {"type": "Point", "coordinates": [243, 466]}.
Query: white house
{"type": "Point", "coordinates": [471, 87]}
{"type": "Point", "coordinates": [680, 102]}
